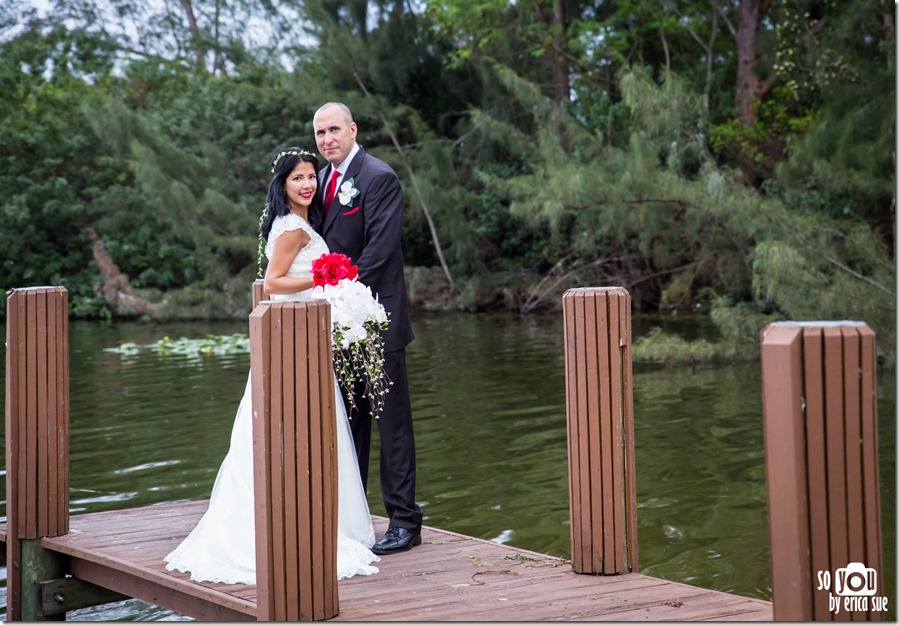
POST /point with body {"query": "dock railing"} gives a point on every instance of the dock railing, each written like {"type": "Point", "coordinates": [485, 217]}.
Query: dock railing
{"type": "Point", "coordinates": [37, 441]}
{"type": "Point", "coordinates": [295, 470]}
{"type": "Point", "coordinates": [258, 291]}
{"type": "Point", "coordinates": [820, 422]}
{"type": "Point", "coordinates": [600, 414]}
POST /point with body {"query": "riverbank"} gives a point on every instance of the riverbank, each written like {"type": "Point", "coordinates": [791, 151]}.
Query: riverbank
{"type": "Point", "coordinates": [732, 328]}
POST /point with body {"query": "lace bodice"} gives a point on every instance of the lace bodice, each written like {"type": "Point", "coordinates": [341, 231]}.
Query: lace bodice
{"type": "Point", "coordinates": [302, 263]}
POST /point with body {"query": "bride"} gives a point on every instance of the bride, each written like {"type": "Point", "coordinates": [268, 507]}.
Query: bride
{"type": "Point", "coordinates": [222, 547]}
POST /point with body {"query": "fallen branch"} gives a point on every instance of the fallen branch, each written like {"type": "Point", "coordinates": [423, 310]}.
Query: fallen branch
{"type": "Point", "coordinates": [116, 289]}
{"type": "Point", "coordinates": [536, 297]}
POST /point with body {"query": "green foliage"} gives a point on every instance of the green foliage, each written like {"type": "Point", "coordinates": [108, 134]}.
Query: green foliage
{"type": "Point", "coordinates": [845, 165]}
{"type": "Point", "coordinates": [739, 324]}
{"type": "Point", "coordinates": [807, 61]}
{"type": "Point", "coordinates": [660, 347]}
{"type": "Point", "coordinates": [210, 345]}
{"type": "Point", "coordinates": [825, 273]}
{"type": "Point", "coordinates": [182, 205]}
{"type": "Point", "coordinates": [161, 146]}
{"type": "Point", "coordinates": [638, 211]}
{"type": "Point", "coordinates": [48, 172]}
{"type": "Point", "coordinates": [764, 141]}
{"type": "Point", "coordinates": [488, 27]}
{"type": "Point", "coordinates": [471, 23]}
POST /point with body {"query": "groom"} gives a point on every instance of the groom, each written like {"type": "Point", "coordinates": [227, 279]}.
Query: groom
{"type": "Point", "coordinates": [361, 216]}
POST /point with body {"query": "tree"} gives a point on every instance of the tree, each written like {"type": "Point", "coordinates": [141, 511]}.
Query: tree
{"type": "Point", "coordinates": [533, 37]}
{"type": "Point", "coordinates": [209, 36]}
{"type": "Point", "coordinates": [750, 86]}
{"type": "Point", "coordinates": [660, 218]}
{"type": "Point", "coordinates": [49, 172]}
{"type": "Point", "coordinates": [841, 61]}
{"type": "Point", "coordinates": [518, 183]}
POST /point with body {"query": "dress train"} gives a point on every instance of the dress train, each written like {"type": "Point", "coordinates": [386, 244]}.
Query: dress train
{"type": "Point", "coordinates": [222, 547]}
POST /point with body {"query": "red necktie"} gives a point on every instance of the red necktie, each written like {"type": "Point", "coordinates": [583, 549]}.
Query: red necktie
{"type": "Point", "coordinates": [331, 190]}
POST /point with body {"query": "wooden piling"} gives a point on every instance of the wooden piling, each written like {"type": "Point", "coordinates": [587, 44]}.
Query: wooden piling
{"type": "Point", "coordinates": [295, 472]}
{"type": "Point", "coordinates": [37, 436]}
{"type": "Point", "coordinates": [820, 419]}
{"type": "Point", "coordinates": [258, 291]}
{"type": "Point", "coordinates": [600, 409]}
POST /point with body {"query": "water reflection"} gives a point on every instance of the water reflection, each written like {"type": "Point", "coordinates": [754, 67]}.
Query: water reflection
{"type": "Point", "coordinates": [490, 428]}
{"type": "Point", "coordinates": [489, 405]}
{"type": "Point", "coordinates": [701, 477]}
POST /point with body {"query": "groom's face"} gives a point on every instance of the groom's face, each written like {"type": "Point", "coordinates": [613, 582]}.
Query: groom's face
{"type": "Point", "coordinates": [335, 135]}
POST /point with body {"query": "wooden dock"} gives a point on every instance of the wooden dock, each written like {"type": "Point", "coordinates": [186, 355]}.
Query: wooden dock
{"type": "Point", "coordinates": [57, 563]}
{"type": "Point", "coordinates": [450, 577]}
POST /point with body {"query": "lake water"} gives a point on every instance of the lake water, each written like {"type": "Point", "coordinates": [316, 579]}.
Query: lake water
{"type": "Point", "coordinates": [488, 396]}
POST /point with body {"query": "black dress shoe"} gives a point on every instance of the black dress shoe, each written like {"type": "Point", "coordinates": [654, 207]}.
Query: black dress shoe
{"type": "Point", "coordinates": [396, 539]}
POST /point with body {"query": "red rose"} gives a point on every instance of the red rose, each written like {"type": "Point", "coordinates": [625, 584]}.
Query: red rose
{"type": "Point", "coordinates": [332, 268]}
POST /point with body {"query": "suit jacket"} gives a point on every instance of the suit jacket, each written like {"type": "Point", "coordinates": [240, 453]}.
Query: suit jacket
{"type": "Point", "coordinates": [368, 230]}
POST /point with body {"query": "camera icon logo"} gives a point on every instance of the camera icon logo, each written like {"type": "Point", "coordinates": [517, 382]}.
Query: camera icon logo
{"type": "Point", "coordinates": [855, 580]}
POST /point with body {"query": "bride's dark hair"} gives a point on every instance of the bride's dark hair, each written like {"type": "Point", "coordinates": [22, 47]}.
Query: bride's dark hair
{"type": "Point", "coordinates": [276, 200]}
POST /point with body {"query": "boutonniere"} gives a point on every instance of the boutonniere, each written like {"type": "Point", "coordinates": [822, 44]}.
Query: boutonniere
{"type": "Point", "coordinates": [347, 192]}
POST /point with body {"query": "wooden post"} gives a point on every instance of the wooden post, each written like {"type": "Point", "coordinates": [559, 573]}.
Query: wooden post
{"type": "Point", "coordinates": [819, 400]}
{"type": "Point", "coordinates": [295, 471]}
{"type": "Point", "coordinates": [258, 291]}
{"type": "Point", "coordinates": [37, 438]}
{"type": "Point", "coordinates": [600, 409]}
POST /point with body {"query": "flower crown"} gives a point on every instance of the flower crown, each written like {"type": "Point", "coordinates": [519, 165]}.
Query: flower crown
{"type": "Point", "coordinates": [284, 153]}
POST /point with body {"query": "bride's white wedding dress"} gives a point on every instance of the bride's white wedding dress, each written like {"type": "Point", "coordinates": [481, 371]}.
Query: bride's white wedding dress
{"type": "Point", "coordinates": [222, 547]}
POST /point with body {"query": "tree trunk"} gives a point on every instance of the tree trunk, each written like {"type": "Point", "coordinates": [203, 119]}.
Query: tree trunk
{"type": "Point", "coordinates": [217, 63]}
{"type": "Point", "coordinates": [708, 46]}
{"type": "Point", "coordinates": [750, 87]}
{"type": "Point", "coordinates": [195, 37]}
{"type": "Point", "coordinates": [561, 87]}
{"type": "Point", "coordinates": [709, 65]}
{"type": "Point", "coordinates": [561, 84]}
{"type": "Point", "coordinates": [889, 25]}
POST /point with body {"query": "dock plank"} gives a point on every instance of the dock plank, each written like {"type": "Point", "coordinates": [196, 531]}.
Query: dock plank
{"type": "Point", "coordinates": [491, 582]}
{"type": "Point", "coordinates": [450, 577]}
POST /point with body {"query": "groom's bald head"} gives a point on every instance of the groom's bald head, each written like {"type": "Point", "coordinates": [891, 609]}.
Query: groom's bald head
{"type": "Point", "coordinates": [343, 108]}
{"type": "Point", "coordinates": [335, 131]}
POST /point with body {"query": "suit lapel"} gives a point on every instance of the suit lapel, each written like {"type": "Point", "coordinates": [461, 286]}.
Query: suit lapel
{"type": "Point", "coordinates": [324, 175]}
{"type": "Point", "coordinates": [351, 172]}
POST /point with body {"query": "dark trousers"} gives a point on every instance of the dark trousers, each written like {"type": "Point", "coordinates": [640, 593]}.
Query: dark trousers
{"type": "Point", "coordinates": [397, 443]}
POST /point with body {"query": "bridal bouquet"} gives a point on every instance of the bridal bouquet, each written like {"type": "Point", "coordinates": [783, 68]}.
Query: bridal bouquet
{"type": "Point", "coordinates": [357, 320]}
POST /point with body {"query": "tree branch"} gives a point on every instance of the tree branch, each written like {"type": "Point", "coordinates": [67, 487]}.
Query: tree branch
{"type": "Point", "coordinates": [657, 274]}
{"type": "Point", "coordinates": [408, 168]}
{"type": "Point", "coordinates": [195, 36]}
{"type": "Point", "coordinates": [831, 259]}
{"type": "Point", "coordinates": [536, 296]}
{"type": "Point", "coordinates": [717, 7]}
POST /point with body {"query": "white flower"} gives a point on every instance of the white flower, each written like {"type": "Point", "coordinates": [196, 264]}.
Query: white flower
{"type": "Point", "coordinates": [352, 306]}
{"type": "Point", "coordinates": [357, 319]}
{"type": "Point", "coordinates": [347, 192]}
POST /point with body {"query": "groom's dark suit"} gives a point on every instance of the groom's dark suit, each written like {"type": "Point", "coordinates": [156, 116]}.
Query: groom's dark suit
{"type": "Point", "coordinates": [368, 229]}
